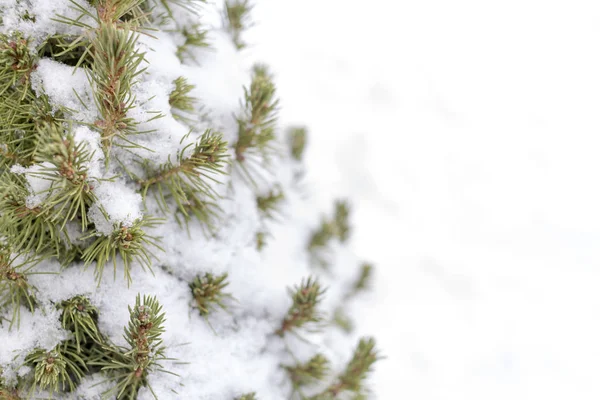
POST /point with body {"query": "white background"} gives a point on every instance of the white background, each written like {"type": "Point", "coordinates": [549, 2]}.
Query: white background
{"type": "Point", "coordinates": [466, 133]}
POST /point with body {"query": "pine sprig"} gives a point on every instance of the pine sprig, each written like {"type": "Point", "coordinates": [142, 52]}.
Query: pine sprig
{"type": "Point", "coordinates": [341, 220]}
{"type": "Point", "coordinates": [64, 163]}
{"type": "Point", "coordinates": [247, 396]}
{"type": "Point", "coordinates": [180, 99]}
{"type": "Point", "coordinates": [256, 123]}
{"type": "Point", "coordinates": [314, 370]}
{"type": "Point", "coordinates": [81, 318]}
{"type": "Point", "coordinates": [329, 229]}
{"type": "Point", "coordinates": [261, 240]}
{"type": "Point", "coordinates": [268, 204]}
{"type": "Point", "coordinates": [24, 228]}
{"type": "Point", "coordinates": [57, 370]}
{"type": "Point", "coordinates": [132, 243]}
{"type": "Point", "coordinates": [304, 308]}
{"type": "Point", "coordinates": [15, 289]}
{"type": "Point", "coordinates": [116, 11]}
{"type": "Point", "coordinates": [115, 68]}
{"type": "Point", "coordinates": [353, 377]}
{"type": "Point", "coordinates": [297, 142]}
{"type": "Point", "coordinates": [16, 63]}
{"type": "Point", "coordinates": [208, 292]}
{"type": "Point", "coordinates": [364, 281]}
{"type": "Point", "coordinates": [130, 366]}
{"type": "Point", "coordinates": [342, 320]}
{"type": "Point", "coordinates": [187, 181]}
{"type": "Point", "coordinates": [236, 18]}
{"type": "Point", "coordinates": [196, 37]}
{"type": "Point", "coordinates": [20, 109]}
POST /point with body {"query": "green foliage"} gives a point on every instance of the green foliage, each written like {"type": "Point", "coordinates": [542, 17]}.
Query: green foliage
{"type": "Point", "coordinates": [20, 109]}
{"type": "Point", "coordinates": [187, 181]}
{"type": "Point", "coordinates": [23, 227]}
{"type": "Point", "coordinates": [130, 366]}
{"type": "Point", "coordinates": [208, 292]}
{"type": "Point", "coordinates": [342, 320]}
{"type": "Point", "coordinates": [268, 204]}
{"type": "Point", "coordinates": [67, 49]}
{"type": "Point", "coordinates": [362, 283]}
{"type": "Point", "coordinates": [303, 311]}
{"type": "Point", "coordinates": [236, 18]}
{"type": "Point", "coordinates": [261, 240]}
{"type": "Point", "coordinates": [59, 369]}
{"type": "Point", "coordinates": [247, 396]}
{"type": "Point", "coordinates": [351, 380]}
{"type": "Point", "coordinates": [116, 65]}
{"type": "Point", "coordinates": [180, 99]}
{"type": "Point", "coordinates": [38, 150]}
{"type": "Point", "coordinates": [16, 64]}
{"type": "Point", "coordinates": [256, 123]}
{"type": "Point", "coordinates": [15, 289]}
{"type": "Point", "coordinates": [314, 370]}
{"type": "Point", "coordinates": [335, 228]}
{"type": "Point", "coordinates": [341, 223]}
{"type": "Point", "coordinates": [64, 164]}
{"type": "Point", "coordinates": [297, 142]}
{"type": "Point", "coordinates": [365, 279]}
{"type": "Point", "coordinates": [115, 11]}
{"type": "Point", "coordinates": [130, 242]}
{"type": "Point", "coordinates": [195, 38]}
{"type": "Point", "coordinates": [81, 318]}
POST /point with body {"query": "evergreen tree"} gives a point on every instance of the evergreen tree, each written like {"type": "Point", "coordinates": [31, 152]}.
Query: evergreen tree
{"type": "Point", "coordinates": [146, 218]}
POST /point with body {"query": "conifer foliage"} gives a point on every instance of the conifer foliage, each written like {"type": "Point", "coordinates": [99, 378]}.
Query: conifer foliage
{"type": "Point", "coordinates": [116, 151]}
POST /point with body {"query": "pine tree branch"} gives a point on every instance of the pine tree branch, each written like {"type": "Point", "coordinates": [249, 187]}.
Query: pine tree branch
{"type": "Point", "coordinates": [236, 19]}
{"type": "Point", "coordinates": [305, 299]}
{"type": "Point", "coordinates": [130, 242]}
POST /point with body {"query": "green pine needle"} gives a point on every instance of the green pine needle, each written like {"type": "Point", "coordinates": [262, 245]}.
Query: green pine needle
{"type": "Point", "coordinates": [195, 37]}
{"type": "Point", "coordinates": [352, 379]}
{"type": "Point", "coordinates": [65, 165]}
{"type": "Point", "coordinates": [15, 289]}
{"type": "Point", "coordinates": [247, 396]}
{"type": "Point", "coordinates": [314, 370]}
{"type": "Point", "coordinates": [16, 63]}
{"type": "Point", "coordinates": [256, 123]}
{"type": "Point", "coordinates": [297, 141]}
{"type": "Point", "coordinates": [130, 366]}
{"type": "Point", "coordinates": [365, 279]}
{"type": "Point", "coordinates": [208, 292]}
{"type": "Point", "coordinates": [132, 243]}
{"type": "Point", "coordinates": [187, 181]}
{"type": "Point", "coordinates": [81, 318]}
{"type": "Point", "coordinates": [343, 321]}
{"type": "Point", "coordinates": [341, 220]}
{"type": "Point", "coordinates": [24, 228]}
{"type": "Point", "coordinates": [57, 370]}
{"type": "Point", "coordinates": [335, 228]}
{"type": "Point", "coordinates": [236, 18]}
{"type": "Point", "coordinates": [303, 311]}
{"type": "Point", "coordinates": [180, 98]}
{"type": "Point", "coordinates": [116, 66]}
{"type": "Point", "coordinates": [261, 240]}
{"type": "Point", "coordinates": [268, 205]}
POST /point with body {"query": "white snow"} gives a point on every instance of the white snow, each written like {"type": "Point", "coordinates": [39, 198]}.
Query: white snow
{"type": "Point", "coordinates": [467, 133]}
{"type": "Point", "coordinates": [120, 203]}
{"type": "Point", "coordinates": [39, 186]}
